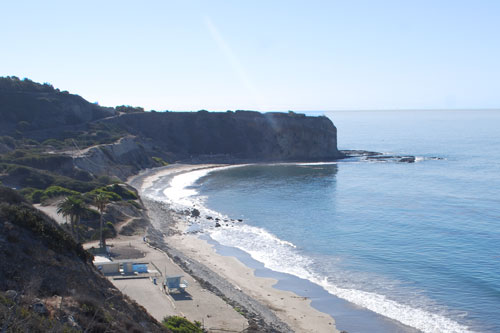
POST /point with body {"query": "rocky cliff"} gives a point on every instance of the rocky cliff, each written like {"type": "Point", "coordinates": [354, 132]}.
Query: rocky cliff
{"type": "Point", "coordinates": [38, 119]}
{"type": "Point", "coordinates": [239, 136]}
{"type": "Point", "coordinates": [121, 159]}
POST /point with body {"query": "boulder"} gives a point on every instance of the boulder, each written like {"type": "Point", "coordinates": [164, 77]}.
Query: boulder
{"type": "Point", "coordinates": [195, 212]}
{"type": "Point", "coordinates": [39, 307]}
{"type": "Point", "coordinates": [407, 159]}
{"type": "Point", "coordinates": [11, 294]}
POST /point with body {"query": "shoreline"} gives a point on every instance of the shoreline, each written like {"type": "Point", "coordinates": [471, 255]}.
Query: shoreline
{"type": "Point", "coordinates": [297, 303]}
{"type": "Point", "coordinates": [272, 309]}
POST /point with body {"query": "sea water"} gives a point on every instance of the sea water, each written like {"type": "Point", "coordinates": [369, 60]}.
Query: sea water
{"type": "Point", "coordinates": [415, 242]}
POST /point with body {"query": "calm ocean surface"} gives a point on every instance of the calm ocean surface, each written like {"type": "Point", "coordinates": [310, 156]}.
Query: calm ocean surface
{"type": "Point", "coordinates": [418, 243]}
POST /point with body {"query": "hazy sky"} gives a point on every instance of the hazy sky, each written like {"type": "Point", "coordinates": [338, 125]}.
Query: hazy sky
{"type": "Point", "coordinates": [264, 55]}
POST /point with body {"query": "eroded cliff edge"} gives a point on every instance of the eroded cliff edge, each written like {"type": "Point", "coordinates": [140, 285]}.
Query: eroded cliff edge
{"type": "Point", "coordinates": [239, 136]}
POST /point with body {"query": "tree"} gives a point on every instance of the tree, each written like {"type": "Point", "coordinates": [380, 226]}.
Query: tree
{"type": "Point", "coordinates": [100, 201]}
{"type": "Point", "coordinates": [75, 208]}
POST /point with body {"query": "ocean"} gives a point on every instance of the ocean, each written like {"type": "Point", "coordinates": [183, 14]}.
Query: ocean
{"type": "Point", "coordinates": [410, 245]}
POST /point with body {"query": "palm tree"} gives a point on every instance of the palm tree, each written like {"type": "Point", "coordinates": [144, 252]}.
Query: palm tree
{"type": "Point", "coordinates": [100, 201]}
{"type": "Point", "coordinates": [75, 208]}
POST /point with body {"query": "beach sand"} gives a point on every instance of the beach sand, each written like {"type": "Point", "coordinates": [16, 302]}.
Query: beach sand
{"type": "Point", "coordinates": [290, 308]}
{"type": "Point", "coordinates": [235, 281]}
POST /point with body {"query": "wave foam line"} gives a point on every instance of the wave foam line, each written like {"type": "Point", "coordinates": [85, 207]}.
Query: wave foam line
{"type": "Point", "coordinates": [179, 192]}
{"type": "Point", "coordinates": [414, 317]}
{"type": "Point", "coordinates": [281, 256]}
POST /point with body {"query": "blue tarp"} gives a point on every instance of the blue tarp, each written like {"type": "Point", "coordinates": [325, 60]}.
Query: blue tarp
{"type": "Point", "coordinates": [140, 268]}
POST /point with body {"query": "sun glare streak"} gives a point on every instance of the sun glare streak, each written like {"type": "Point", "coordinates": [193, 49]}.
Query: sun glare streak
{"type": "Point", "coordinates": [234, 62]}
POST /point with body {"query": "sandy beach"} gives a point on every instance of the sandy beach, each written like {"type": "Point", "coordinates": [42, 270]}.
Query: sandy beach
{"type": "Point", "coordinates": [225, 276]}
{"type": "Point", "coordinates": [290, 308]}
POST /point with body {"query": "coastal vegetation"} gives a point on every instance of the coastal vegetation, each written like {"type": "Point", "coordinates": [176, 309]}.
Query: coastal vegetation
{"type": "Point", "coordinates": [15, 210]}
{"type": "Point", "coordinates": [74, 208]}
{"type": "Point", "coordinates": [100, 201]}
{"type": "Point", "coordinates": [42, 130]}
{"type": "Point", "coordinates": [181, 325]}
{"type": "Point", "coordinates": [48, 282]}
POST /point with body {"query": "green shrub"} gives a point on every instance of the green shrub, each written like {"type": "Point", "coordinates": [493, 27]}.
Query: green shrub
{"type": "Point", "coordinates": [27, 191]}
{"type": "Point", "coordinates": [181, 325]}
{"type": "Point", "coordinates": [37, 196]}
{"type": "Point", "coordinates": [57, 191]}
{"type": "Point", "coordinates": [112, 196]}
{"type": "Point", "coordinates": [54, 143]}
{"type": "Point", "coordinates": [159, 161]}
{"type": "Point", "coordinates": [114, 192]}
{"type": "Point", "coordinates": [31, 194]}
{"type": "Point", "coordinates": [129, 109]}
{"type": "Point", "coordinates": [121, 191]}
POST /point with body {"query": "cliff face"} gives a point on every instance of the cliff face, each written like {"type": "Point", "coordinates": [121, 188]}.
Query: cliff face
{"type": "Point", "coordinates": [121, 159]}
{"type": "Point", "coordinates": [234, 136]}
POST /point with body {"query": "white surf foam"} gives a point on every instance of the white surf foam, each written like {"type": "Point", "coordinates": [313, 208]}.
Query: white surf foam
{"type": "Point", "coordinates": [316, 163]}
{"type": "Point", "coordinates": [414, 317]}
{"type": "Point", "coordinates": [180, 192]}
{"type": "Point", "coordinates": [282, 256]}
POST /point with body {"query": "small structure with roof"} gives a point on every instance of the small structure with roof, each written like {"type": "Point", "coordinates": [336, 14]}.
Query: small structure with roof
{"type": "Point", "coordinates": [127, 269]}
{"type": "Point", "coordinates": [172, 283]}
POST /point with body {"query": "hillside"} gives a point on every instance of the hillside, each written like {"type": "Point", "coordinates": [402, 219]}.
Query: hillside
{"type": "Point", "coordinates": [34, 109]}
{"type": "Point", "coordinates": [48, 283]}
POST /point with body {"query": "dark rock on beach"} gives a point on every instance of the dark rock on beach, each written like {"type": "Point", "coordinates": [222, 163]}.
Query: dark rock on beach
{"type": "Point", "coordinates": [195, 212]}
